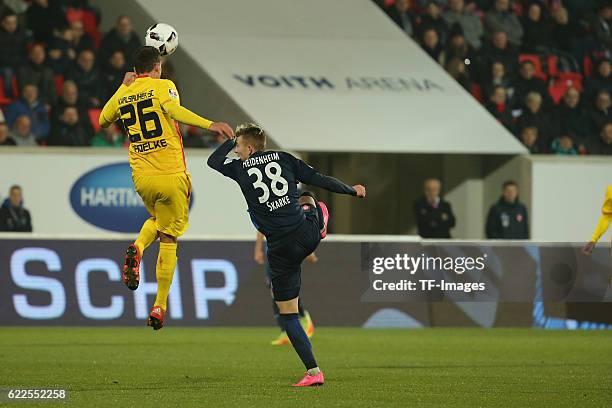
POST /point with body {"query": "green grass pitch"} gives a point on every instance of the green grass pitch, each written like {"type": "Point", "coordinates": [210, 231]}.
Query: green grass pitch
{"type": "Point", "coordinates": [217, 367]}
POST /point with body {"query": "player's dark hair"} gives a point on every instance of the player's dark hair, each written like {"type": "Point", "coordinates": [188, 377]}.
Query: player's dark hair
{"type": "Point", "coordinates": [253, 134]}
{"type": "Point", "coordinates": [15, 187]}
{"type": "Point", "coordinates": [145, 59]}
{"type": "Point", "coordinates": [508, 183]}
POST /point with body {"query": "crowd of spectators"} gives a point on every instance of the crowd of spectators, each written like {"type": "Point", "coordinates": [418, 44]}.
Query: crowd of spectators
{"type": "Point", "coordinates": [57, 70]}
{"type": "Point", "coordinates": [542, 68]}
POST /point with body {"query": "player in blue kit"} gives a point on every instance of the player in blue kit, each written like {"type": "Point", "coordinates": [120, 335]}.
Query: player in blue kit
{"type": "Point", "coordinates": [292, 223]}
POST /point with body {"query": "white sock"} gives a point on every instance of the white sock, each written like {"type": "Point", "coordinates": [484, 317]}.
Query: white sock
{"type": "Point", "coordinates": [314, 371]}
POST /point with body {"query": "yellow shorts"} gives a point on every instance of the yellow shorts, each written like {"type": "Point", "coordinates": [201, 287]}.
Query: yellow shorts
{"type": "Point", "coordinates": [166, 198]}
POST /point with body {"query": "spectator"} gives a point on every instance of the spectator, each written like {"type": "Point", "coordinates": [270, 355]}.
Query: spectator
{"type": "Point", "coordinates": [61, 53]}
{"type": "Point", "coordinates": [564, 30]}
{"type": "Point", "coordinates": [530, 139]}
{"type": "Point", "coordinates": [572, 119]}
{"type": "Point", "coordinates": [121, 38]}
{"type": "Point", "coordinates": [499, 108]}
{"type": "Point", "coordinates": [5, 139]}
{"type": "Point", "coordinates": [564, 145]}
{"type": "Point", "coordinates": [538, 31]}
{"type": "Point", "coordinates": [113, 74]}
{"type": "Point", "coordinates": [456, 69]}
{"type": "Point", "coordinates": [434, 215]}
{"type": "Point", "coordinates": [70, 131]}
{"type": "Point", "coordinates": [507, 219]}
{"type": "Point", "coordinates": [526, 82]}
{"type": "Point", "coordinates": [534, 116]}
{"type": "Point", "coordinates": [470, 23]}
{"type": "Point", "coordinates": [601, 114]}
{"type": "Point", "coordinates": [13, 216]}
{"type": "Point", "coordinates": [501, 18]}
{"type": "Point", "coordinates": [69, 97]}
{"type": "Point", "coordinates": [602, 145]}
{"type": "Point", "coordinates": [12, 44]}
{"type": "Point", "coordinates": [458, 47]}
{"type": "Point", "coordinates": [601, 79]}
{"type": "Point", "coordinates": [498, 50]}
{"type": "Point", "coordinates": [108, 137]}
{"type": "Point", "coordinates": [85, 75]}
{"type": "Point", "coordinates": [432, 18]}
{"type": "Point", "coordinates": [36, 73]}
{"type": "Point", "coordinates": [602, 25]}
{"type": "Point", "coordinates": [430, 42]}
{"type": "Point", "coordinates": [30, 106]}
{"type": "Point", "coordinates": [80, 40]}
{"type": "Point", "coordinates": [22, 134]}
{"type": "Point", "coordinates": [498, 77]}
{"type": "Point", "coordinates": [401, 15]}
{"type": "Point", "coordinates": [44, 17]}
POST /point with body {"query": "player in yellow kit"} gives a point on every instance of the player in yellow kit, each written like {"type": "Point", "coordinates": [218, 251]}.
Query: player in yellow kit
{"type": "Point", "coordinates": [148, 108]}
{"type": "Point", "coordinates": [603, 224]}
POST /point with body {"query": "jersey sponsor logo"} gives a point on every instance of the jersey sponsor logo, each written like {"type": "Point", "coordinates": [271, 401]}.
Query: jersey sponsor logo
{"type": "Point", "coordinates": [173, 93]}
{"type": "Point", "coordinates": [148, 147]}
{"type": "Point", "coordinates": [136, 97]}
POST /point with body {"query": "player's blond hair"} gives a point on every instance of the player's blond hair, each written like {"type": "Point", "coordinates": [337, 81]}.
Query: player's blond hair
{"type": "Point", "coordinates": [253, 134]}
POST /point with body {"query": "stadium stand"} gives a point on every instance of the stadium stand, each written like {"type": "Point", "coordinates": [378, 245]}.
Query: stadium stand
{"type": "Point", "coordinates": [46, 42]}
{"type": "Point", "coordinates": [567, 46]}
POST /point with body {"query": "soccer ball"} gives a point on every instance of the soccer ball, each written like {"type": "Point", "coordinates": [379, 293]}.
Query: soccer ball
{"type": "Point", "coordinates": [163, 37]}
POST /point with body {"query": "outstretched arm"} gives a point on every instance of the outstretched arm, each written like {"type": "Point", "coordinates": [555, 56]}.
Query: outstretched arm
{"type": "Point", "coordinates": [336, 186]}
{"type": "Point", "coordinates": [171, 103]}
{"type": "Point", "coordinates": [306, 174]}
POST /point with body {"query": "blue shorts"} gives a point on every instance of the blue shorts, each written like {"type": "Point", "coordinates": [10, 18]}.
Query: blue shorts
{"type": "Point", "coordinates": [284, 257]}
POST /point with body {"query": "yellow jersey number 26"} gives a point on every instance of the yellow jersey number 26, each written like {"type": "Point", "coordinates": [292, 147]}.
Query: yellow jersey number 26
{"type": "Point", "coordinates": [142, 118]}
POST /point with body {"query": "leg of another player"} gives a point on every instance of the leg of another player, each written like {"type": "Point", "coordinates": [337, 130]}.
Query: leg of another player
{"type": "Point", "coordinates": [299, 340]}
{"type": "Point", "coordinates": [166, 263]}
{"type": "Point", "coordinates": [305, 319]}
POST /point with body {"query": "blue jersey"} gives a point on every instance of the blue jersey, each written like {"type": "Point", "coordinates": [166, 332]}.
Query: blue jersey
{"type": "Point", "coordinates": [268, 180]}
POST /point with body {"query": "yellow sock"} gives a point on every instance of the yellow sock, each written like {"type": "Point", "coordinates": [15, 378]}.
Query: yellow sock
{"type": "Point", "coordinates": [148, 235]}
{"type": "Point", "coordinates": [166, 262]}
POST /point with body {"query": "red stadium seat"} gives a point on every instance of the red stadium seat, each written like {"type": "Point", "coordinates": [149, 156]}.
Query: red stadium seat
{"type": "Point", "coordinates": [16, 90]}
{"type": "Point", "coordinates": [476, 92]}
{"type": "Point", "coordinates": [59, 83]}
{"type": "Point", "coordinates": [551, 62]}
{"type": "Point", "coordinates": [565, 81]}
{"type": "Point", "coordinates": [94, 117]}
{"type": "Point", "coordinates": [587, 66]}
{"type": "Point", "coordinates": [537, 64]}
{"type": "Point", "coordinates": [4, 100]}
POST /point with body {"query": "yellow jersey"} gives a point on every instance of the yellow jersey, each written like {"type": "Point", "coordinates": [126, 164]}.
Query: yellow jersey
{"type": "Point", "coordinates": [606, 216]}
{"type": "Point", "coordinates": [147, 110]}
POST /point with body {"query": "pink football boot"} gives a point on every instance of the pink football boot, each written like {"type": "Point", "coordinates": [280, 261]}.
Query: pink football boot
{"type": "Point", "coordinates": [311, 380]}
{"type": "Point", "coordinates": [325, 212]}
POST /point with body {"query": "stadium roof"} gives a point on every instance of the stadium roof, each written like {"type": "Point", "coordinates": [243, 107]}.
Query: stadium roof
{"type": "Point", "coordinates": [332, 76]}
